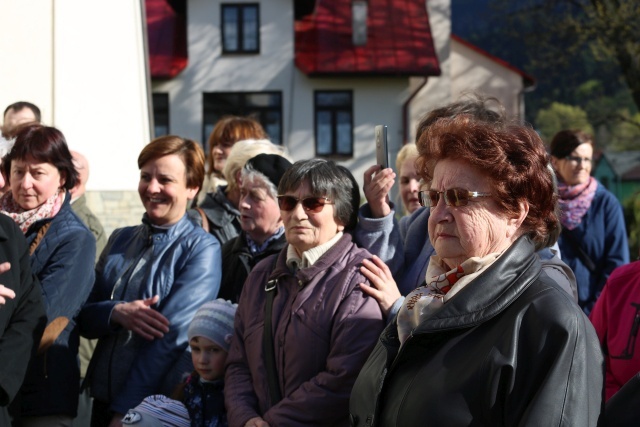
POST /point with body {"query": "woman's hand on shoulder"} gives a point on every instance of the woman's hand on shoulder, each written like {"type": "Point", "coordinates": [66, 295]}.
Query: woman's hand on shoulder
{"type": "Point", "coordinates": [4, 291]}
{"type": "Point", "coordinates": [377, 184]}
{"type": "Point", "coordinates": [116, 421]}
{"type": "Point", "coordinates": [256, 422]}
{"type": "Point", "coordinates": [383, 288]}
{"type": "Point", "coordinates": [138, 316]}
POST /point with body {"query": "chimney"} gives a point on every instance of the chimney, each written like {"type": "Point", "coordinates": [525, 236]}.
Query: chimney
{"type": "Point", "coordinates": [359, 10]}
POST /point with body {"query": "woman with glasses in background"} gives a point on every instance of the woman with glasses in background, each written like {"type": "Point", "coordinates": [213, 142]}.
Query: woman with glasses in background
{"type": "Point", "coordinates": [593, 241]}
{"type": "Point", "coordinates": [490, 339]}
{"type": "Point", "coordinates": [321, 327]}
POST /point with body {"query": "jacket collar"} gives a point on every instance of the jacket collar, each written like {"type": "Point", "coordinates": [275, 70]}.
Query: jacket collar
{"type": "Point", "coordinates": [175, 230]}
{"type": "Point", "coordinates": [488, 295]}
{"type": "Point", "coordinates": [219, 210]}
{"type": "Point", "coordinates": [324, 262]}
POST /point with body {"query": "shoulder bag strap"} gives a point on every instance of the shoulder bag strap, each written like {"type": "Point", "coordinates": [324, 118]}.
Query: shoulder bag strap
{"type": "Point", "coordinates": [586, 260]}
{"type": "Point", "coordinates": [39, 236]}
{"type": "Point", "coordinates": [271, 289]}
{"type": "Point", "coordinates": [205, 221]}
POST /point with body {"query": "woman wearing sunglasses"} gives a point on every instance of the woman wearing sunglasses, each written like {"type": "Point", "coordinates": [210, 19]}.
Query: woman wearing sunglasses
{"type": "Point", "coordinates": [594, 239]}
{"type": "Point", "coordinates": [490, 339]}
{"type": "Point", "coordinates": [300, 370]}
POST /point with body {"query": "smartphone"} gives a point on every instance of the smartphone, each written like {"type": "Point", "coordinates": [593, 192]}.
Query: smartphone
{"type": "Point", "coordinates": [382, 150]}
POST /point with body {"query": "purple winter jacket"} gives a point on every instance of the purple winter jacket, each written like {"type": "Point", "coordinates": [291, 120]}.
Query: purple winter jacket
{"type": "Point", "coordinates": [324, 329]}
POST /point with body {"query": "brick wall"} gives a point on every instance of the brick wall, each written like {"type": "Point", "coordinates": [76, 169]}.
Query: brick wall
{"type": "Point", "coordinates": [115, 209]}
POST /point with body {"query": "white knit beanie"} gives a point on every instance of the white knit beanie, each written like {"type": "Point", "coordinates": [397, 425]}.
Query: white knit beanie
{"type": "Point", "coordinates": [214, 320]}
{"type": "Point", "coordinates": [158, 411]}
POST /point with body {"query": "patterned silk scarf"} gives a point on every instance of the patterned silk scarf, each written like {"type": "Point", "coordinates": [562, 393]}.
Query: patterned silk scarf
{"type": "Point", "coordinates": [441, 286]}
{"type": "Point", "coordinates": [575, 201]}
{"type": "Point", "coordinates": [24, 218]}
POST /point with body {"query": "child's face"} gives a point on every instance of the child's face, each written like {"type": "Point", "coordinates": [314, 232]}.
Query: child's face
{"type": "Point", "coordinates": [208, 358]}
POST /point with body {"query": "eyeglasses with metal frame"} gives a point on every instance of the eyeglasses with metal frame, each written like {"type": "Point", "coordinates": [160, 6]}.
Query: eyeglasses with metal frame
{"type": "Point", "coordinates": [452, 197]}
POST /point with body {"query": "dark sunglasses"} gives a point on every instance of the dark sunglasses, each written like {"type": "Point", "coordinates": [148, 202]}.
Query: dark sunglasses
{"type": "Point", "coordinates": [309, 204]}
{"type": "Point", "coordinates": [452, 197]}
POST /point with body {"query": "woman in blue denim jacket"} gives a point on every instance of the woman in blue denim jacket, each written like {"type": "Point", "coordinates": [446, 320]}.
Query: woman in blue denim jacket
{"type": "Point", "coordinates": [150, 280]}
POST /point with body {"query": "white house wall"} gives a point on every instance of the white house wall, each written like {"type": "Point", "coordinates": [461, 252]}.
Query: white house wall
{"type": "Point", "coordinates": [472, 71]}
{"type": "Point", "coordinates": [375, 100]}
{"type": "Point", "coordinates": [438, 90]}
{"type": "Point", "coordinates": [82, 62]}
{"type": "Point", "coordinates": [26, 27]}
{"type": "Point", "coordinates": [209, 71]}
{"type": "Point", "coordinates": [100, 95]}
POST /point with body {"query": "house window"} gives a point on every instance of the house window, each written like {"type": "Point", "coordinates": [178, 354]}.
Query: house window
{"type": "Point", "coordinates": [265, 107]}
{"type": "Point", "coordinates": [334, 123]}
{"type": "Point", "coordinates": [240, 28]}
{"type": "Point", "coordinates": [160, 114]}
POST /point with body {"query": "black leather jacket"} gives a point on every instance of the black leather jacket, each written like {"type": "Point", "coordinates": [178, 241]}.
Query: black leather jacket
{"type": "Point", "coordinates": [510, 349]}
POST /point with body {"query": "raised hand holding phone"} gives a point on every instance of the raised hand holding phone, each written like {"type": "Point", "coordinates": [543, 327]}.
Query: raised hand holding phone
{"type": "Point", "coordinates": [379, 179]}
{"type": "Point", "coordinates": [382, 149]}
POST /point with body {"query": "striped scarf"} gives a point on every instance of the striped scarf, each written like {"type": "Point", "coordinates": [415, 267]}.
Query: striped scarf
{"type": "Point", "coordinates": [441, 286]}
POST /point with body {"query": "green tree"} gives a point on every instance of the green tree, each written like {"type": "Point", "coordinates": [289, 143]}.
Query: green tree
{"type": "Point", "coordinates": [561, 116]}
{"type": "Point", "coordinates": [576, 45]}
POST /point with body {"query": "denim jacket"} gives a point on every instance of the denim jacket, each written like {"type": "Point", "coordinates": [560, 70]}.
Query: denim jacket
{"type": "Point", "coordinates": [184, 270]}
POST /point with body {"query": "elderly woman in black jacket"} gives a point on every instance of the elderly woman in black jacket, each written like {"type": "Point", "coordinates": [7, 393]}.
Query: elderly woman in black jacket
{"type": "Point", "coordinates": [490, 339]}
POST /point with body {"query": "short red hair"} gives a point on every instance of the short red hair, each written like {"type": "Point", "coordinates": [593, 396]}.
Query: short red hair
{"type": "Point", "coordinates": [511, 156]}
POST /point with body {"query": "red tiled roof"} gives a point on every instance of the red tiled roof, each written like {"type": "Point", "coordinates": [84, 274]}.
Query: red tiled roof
{"type": "Point", "coordinates": [167, 39]}
{"type": "Point", "coordinates": [528, 79]}
{"type": "Point", "coordinates": [399, 40]}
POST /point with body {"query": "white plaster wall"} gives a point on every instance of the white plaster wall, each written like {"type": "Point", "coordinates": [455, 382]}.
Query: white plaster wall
{"type": "Point", "coordinates": [437, 91]}
{"type": "Point", "coordinates": [100, 87]}
{"type": "Point", "coordinates": [471, 71]}
{"type": "Point", "coordinates": [27, 52]}
{"type": "Point", "coordinates": [209, 71]}
{"type": "Point", "coordinates": [375, 101]}
{"type": "Point", "coordinates": [82, 63]}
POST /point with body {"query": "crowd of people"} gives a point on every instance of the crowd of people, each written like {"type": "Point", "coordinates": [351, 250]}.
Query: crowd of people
{"type": "Point", "coordinates": [259, 291]}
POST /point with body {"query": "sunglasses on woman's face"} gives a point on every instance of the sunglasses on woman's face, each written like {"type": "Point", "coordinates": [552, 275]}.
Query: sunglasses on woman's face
{"type": "Point", "coordinates": [452, 197]}
{"type": "Point", "coordinates": [309, 204]}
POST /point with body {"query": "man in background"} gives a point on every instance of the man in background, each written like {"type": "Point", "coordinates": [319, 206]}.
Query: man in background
{"type": "Point", "coordinates": [79, 202]}
{"type": "Point", "coordinates": [17, 114]}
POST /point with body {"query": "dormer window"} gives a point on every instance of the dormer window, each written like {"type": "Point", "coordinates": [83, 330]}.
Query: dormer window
{"type": "Point", "coordinates": [359, 9]}
{"type": "Point", "coordinates": [240, 28]}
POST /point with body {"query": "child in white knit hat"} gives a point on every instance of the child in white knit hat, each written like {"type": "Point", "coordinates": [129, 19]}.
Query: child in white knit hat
{"type": "Point", "coordinates": [209, 336]}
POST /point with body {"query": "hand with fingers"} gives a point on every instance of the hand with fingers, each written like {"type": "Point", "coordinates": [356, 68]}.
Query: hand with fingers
{"type": "Point", "coordinates": [4, 291]}
{"type": "Point", "coordinates": [138, 316]}
{"type": "Point", "coordinates": [256, 422]}
{"type": "Point", "coordinates": [377, 184]}
{"type": "Point", "coordinates": [383, 288]}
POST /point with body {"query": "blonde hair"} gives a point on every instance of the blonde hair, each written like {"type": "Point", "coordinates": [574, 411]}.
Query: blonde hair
{"type": "Point", "coordinates": [244, 150]}
{"type": "Point", "coordinates": [407, 151]}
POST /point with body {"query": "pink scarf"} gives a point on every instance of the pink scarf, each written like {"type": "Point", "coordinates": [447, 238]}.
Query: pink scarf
{"type": "Point", "coordinates": [575, 201]}
{"type": "Point", "coordinates": [25, 219]}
